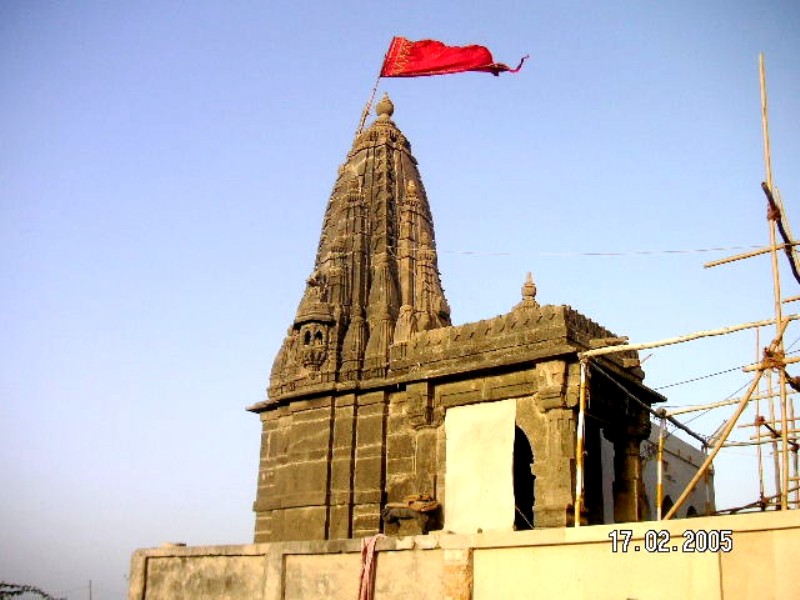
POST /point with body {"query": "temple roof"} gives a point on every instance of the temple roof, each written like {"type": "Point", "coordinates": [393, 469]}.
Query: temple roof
{"type": "Point", "coordinates": [375, 280]}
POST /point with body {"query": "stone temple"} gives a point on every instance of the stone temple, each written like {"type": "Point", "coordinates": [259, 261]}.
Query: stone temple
{"type": "Point", "coordinates": [382, 416]}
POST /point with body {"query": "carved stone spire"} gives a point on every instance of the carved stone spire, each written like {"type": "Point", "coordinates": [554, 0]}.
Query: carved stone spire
{"type": "Point", "coordinates": [375, 280]}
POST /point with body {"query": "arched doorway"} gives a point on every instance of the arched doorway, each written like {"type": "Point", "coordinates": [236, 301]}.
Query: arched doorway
{"type": "Point", "coordinates": [524, 480]}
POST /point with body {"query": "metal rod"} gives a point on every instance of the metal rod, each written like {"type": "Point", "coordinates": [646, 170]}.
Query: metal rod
{"type": "Point", "coordinates": [681, 339]}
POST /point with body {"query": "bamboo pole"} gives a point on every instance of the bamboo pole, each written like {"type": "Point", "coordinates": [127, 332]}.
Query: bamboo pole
{"type": "Point", "coordinates": [579, 442]}
{"type": "Point", "coordinates": [681, 339]}
{"type": "Point", "coordinates": [660, 466]}
{"type": "Point", "coordinates": [758, 429]}
{"type": "Point", "coordinates": [776, 462]}
{"type": "Point", "coordinates": [776, 281]}
{"type": "Point", "coordinates": [763, 422]}
{"type": "Point", "coordinates": [795, 461]}
{"type": "Point", "coordinates": [763, 442]}
{"type": "Point", "coordinates": [759, 252]}
{"type": "Point", "coordinates": [707, 484]}
{"type": "Point", "coordinates": [687, 409]}
{"type": "Point", "coordinates": [758, 366]}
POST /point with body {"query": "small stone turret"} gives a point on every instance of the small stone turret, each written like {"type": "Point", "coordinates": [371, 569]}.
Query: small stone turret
{"type": "Point", "coordinates": [375, 279]}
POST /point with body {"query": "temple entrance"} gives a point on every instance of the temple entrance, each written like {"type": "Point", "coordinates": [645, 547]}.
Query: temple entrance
{"type": "Point", "coordinates": [524, 481]}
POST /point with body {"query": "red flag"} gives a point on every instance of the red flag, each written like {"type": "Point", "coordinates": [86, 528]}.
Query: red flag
{"type": "Point", "coordinates": [429, 57]}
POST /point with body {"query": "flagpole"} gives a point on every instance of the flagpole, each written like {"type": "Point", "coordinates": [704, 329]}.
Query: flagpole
{"type": "Point", "coordinates": [368, 106]}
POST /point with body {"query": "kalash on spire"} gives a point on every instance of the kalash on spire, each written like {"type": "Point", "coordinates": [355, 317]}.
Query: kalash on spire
{"type": "Point", "coordinates": [375, 280]}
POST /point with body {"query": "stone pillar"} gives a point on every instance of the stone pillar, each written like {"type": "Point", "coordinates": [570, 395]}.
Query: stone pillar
{"type": "Point", "coordinates": [627, 479]}
{"type": "Point", "coordinates": [554, 468]}
{"type": "Point", "coordinates": [628, 486]}
{"type": "Point", "coordinates": [555, 471]}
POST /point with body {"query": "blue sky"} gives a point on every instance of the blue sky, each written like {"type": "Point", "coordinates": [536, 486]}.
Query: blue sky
{"type": "Point", "coordinates": [163, 174]}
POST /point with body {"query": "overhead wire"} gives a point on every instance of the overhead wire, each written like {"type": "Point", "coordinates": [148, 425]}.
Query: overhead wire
{"type": "Point", "coordinates": [606, 253]}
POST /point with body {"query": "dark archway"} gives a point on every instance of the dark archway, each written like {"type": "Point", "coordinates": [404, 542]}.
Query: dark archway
{"type": "Point", "coordinates": [524, 480]}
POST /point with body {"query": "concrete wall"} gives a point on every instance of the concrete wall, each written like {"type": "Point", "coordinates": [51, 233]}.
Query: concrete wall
{"type": "Point", "coordinates": [549, 563]}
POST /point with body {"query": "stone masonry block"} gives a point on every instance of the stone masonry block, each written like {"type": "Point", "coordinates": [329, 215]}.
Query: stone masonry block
{"type": "Point", "coordinates": [400, 446]}
{"type": "Point", "coordinates": [369, 473]}
{"type": "Point", "coordinates": [369, 430]}
{"type": "Point", "coordinates": [309, 440]}
{"type": "Point", "coordinates": [372, 398]}
{"type": "Point", "coordinates": [339, 522]}
{"type": "Point", "coordinates": [343, 428]}
{"type": "Point", "coordinates": [316, 414]}
{"type": "Point", "coordinates": [341, 470]}
{"type": "Point", "coordinates": [426, 460]}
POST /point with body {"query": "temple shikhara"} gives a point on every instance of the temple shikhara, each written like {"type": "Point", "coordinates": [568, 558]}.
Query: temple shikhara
{"type": "Point", "coordinates": [383, 416]}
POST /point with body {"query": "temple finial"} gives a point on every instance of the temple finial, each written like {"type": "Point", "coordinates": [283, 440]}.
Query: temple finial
{"type": "Point", "coordinates": [528, 293]}
{"type": "Point", "coordinates": [385, 108]}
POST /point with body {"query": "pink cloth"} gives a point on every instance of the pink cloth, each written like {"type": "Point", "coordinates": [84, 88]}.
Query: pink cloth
{"type": "Point", "coordinates": [366, 585]}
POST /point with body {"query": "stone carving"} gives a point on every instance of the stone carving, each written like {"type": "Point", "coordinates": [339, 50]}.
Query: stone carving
{"type": "Point", "coordinates": [375, 280]}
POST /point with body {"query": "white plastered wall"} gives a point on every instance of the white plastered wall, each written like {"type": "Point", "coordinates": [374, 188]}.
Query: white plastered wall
{"type": "Point", "coordinates": [479, 470]}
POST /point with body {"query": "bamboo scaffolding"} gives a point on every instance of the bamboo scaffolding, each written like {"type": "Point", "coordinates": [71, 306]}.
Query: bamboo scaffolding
{"type": "Point", "coordinates": [717, 447]}
{"type": "Point", "coordinates": [728, 428]}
